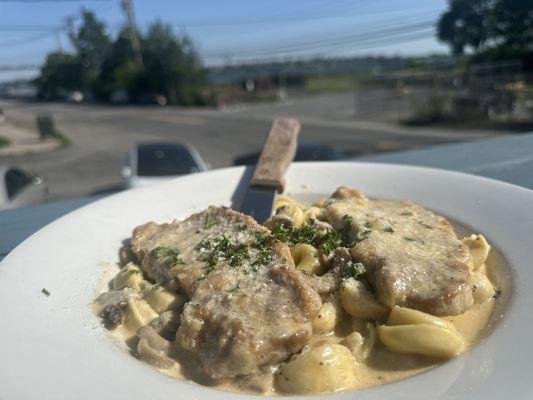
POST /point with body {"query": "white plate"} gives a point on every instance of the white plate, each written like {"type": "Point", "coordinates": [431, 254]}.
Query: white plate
{"type": "Point", "coordinates": [54, 347]}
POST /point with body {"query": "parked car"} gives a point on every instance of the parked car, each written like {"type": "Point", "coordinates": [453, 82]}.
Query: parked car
{"type": "Point", "coordinates": [74, 97]}
{"type": "Point", "coordinates": [20, 189]}
{"type": "Point", "coordinates": [154, 162]}
{"type": "Point", "coordinates": [119, 96]}
{"type": "Point", "coordinates": [304, 152]}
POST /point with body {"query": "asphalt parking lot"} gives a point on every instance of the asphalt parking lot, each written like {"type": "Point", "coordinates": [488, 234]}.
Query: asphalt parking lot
{"type": "Point", "coordinates": [100, 135]}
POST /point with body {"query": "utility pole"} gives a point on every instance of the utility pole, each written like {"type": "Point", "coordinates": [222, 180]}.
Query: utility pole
{"type": "Point", "coordinates": [58, 41]}
{"type": "Point", "coordinates": [127, 6]}
{"type": "Point", "coordinates": [69, 23]}
{"type": "Point", "coordinates": [283, 93]}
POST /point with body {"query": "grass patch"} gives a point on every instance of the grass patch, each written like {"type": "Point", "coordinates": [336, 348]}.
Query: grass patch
{"type": "Point", "coordinates": [333, 83]}
{"type": "Point", "coordinates": [4, 142]}
{"type": "Point", "coordinates": [63, 140]}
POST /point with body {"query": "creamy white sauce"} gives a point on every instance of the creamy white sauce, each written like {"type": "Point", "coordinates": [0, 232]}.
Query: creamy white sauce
{"type": "Point", "coordinates": [382, 366]}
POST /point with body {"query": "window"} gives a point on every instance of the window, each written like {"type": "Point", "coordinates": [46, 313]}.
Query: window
{"type": "Point", "coordinates": [16, 180]}
{"type": "Point", "coordinates": [154, 160]}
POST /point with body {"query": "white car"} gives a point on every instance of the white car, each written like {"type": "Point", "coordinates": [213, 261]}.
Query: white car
{"type": "Point", "coordinates": [21, 189]}
{"type": "Point", "coordinates": [150, 163]}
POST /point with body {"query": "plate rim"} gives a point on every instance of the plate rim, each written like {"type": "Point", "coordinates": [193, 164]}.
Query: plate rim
{"type": "Point", "coordinates": [116, 197]}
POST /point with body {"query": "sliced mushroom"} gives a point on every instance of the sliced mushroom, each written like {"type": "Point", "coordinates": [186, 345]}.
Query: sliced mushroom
{"type": "Point", "coordinates": [112, 315]}
{"type": "Point", "coordinates": [110, 306]}
{"type": "Point", "coordinates": [153, 349]}
{"type": "Point", "coordinates": [166, 324]}
{"type": "Point", "coordinates": [114, 297]}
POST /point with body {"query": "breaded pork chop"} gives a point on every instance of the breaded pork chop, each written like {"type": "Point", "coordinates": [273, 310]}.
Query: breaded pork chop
{"type": "Point", "coordinates": [173, 254]}
{"type": "Point", "coordinates": [412, 256]}
{"type": "Point", "coordinates": [249, 307]}
{"type": "Point", "coordinates": [238, 324]}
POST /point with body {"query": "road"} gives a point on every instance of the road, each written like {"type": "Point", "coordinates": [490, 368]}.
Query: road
{"type": "Point", "coordinates": [101, 134]}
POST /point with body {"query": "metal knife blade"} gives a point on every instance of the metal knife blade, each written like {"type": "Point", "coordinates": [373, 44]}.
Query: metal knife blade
{"type": "Point", "coordinates": [258, 203]}
{"type": "Point", "coordinates": [268, 178]}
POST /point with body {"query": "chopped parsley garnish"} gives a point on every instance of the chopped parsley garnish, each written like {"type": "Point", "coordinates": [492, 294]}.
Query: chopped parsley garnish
{"type": "Point", "coordinates": [354, 270]}
{"type": "Point", "coordinates": [497, 293]}
{"type": "Point", "coordinates": [237, 254]}
{"type": "Point", "coordinates": [326, 241]}
{"type": "Point", "coordinates": [133, 271]}
{"type": "Point", "coordinates": [407, 214]}
{"type": "Point", "coordinates": [330, 241]}
{"type": "Point", "coordinates": [388, 229]}
{"type": "Point", "coordinates": [221, 249]}
{"type": "Point", "coordinates": [293, 236]}
{"type": "Point", "coordinates": [45, 292]}
{"type": "Point", "coordinates": [409, 239]}
{"type": "Point", "coordinates": [204, 244]}
{"type": "Point", "coordinates": [263, 243]}
{"type": "Point", "coordinates": [167, 256]}
{"type": "Point", "coordinates": [348, 220]}
{"type": "Point", "coordinates": [425, 225]}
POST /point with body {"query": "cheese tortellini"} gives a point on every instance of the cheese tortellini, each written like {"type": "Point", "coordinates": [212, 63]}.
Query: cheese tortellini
{"type": "Point", "coordinates": [325, 368]}
{"type": "Point", "coordinates": [426, 340]}
{"type": "Point", "coordinates": [289, 210]}
{"type": "Point", "coordinates": [414, 332]}
{"type": "Point", "coordinates": [359, 302]}
{"type": "Point", "coordinates": [360, 345]}
{"type": "Point", "coordinates": [408, 316]}
{"type": "Point", "coordinates": [482, 288]}
{"type": "Point", "coordinates": [306, 258]}
{"type": "Point", "coordinates": [479, 249]}
{"type": "Point", "coordinates": [326, 319]}
{"type": "Point", "coordinates": [314, 213]}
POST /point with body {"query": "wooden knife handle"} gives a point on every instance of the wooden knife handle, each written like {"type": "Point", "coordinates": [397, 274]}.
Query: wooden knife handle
{"type": "Point", "coordinates": [278, 153]}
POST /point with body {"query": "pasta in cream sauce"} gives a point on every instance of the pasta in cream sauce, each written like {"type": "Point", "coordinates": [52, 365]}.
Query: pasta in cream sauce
{"type": "Point", "coordinates": [357, 337]}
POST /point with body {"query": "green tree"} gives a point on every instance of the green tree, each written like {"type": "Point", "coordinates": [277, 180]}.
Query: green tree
{"type": "Point", "coordinates": [63, 72]}
{"type": "Point", "coordinates": [513, 23]}
{"type": "Point", "coordinates": [60, 73]}
{"type": "Point", "coordinates": [92, 44]}
{"type": "Point", "coordinates": [117, 71]}
{"type": "Point", "coordinates": [171, 66]}
{"type": "Point", "coordinates": [485, 25]}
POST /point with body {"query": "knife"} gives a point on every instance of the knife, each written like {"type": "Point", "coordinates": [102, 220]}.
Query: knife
{"type": "Point", "coordinates": [268, 178]}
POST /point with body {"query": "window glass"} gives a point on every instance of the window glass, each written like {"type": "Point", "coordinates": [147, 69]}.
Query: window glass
{"type": "Point", "coordinates": [164, 160]}
{"type": "Point", "coordinates": [16, 180]}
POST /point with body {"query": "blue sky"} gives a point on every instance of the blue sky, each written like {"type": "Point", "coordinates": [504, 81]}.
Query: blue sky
{"type": "Point", "coordinates": [238, 30]}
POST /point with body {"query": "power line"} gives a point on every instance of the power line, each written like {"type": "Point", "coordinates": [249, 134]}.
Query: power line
{"type": "Point", "coordinates": [385, 31]}
{"type": "Point", "coordinates": [346, 53]}
{"type": "Point", "coordinates": [48, 1]}
{"type": "Point", "coordinates": [326, 49]}
{"type": "Point", "coordinates": [31, 39]}
{"type": "Point", "coordinates": [312, 14]}
{"type": "Point", "coordinates": [29, 28]}
{"type": "Point", "coordinates": [246, 19]}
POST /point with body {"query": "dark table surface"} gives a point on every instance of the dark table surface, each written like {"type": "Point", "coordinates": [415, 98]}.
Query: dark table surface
{"type": "Point", "coordinates": [508, 159]}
